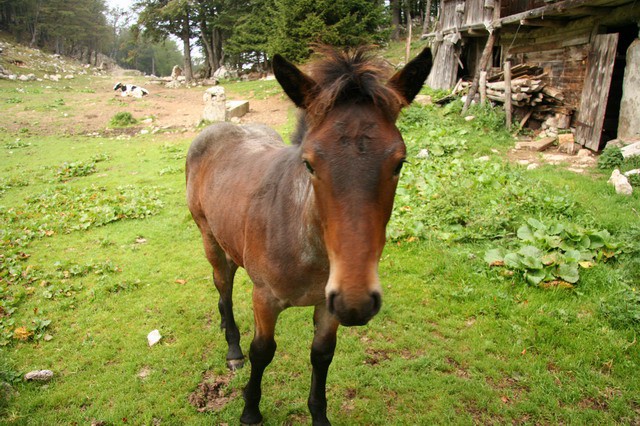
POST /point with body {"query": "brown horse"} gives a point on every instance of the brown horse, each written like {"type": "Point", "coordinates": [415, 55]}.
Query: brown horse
{"type": "Point", "coordinates": [307, 221]}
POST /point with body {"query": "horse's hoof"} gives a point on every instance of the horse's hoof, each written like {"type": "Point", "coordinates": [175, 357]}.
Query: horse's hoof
{"type": "Point", "coordinates": [235, 364]}
{"type": "Point", "coordinates": [248, 420]}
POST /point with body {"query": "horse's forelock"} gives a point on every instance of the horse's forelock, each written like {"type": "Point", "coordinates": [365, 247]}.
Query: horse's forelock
{"type": "Point", "coordinates": [351, 76]}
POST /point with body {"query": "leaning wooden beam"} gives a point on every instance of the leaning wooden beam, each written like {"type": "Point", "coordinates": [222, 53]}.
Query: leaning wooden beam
{"type": "Point", "coordinates": [484, 61]}
{"type": "Point", "coordinates": [483, 87]}
{"type": "Point", "coordinates": [507, 92]}
{"type": "Point", "coordinates": [551, 23]}
{"type": "Point", "coordinates": [560, 6]}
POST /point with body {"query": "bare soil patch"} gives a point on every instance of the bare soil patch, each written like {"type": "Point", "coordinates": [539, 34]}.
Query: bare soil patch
{"type": "Point", "coordinates": [213, 393]}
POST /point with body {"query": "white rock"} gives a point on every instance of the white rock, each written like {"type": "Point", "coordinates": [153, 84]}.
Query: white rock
{"type": "Point", "coordinates": [39, 375]}
{"type": "Point", "coordinates": [632, 172]}
{"type": "Point", "coordinates": [424, 153]}
{"type": "Point", "coordinates": [483, 158]}
{"type": "Point", "coordinates": [585, 153]}
{"type": "Point", "coordinates": [631, 150]}
{"type": "Point", "coordinates": [69, 76]}
{"type": "Point", "coordinates": [469, 117]}
{"type": "Point", "coordinates": [153, 337]}
{"type": "Point", "coordinates": [532, 166]}
{"type": "Point", "coordinates": [620, 183]}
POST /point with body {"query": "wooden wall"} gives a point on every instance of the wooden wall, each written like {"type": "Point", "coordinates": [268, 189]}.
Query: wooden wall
{"type": "Point", "coordinates": [561, 52]}
{"type": "Point", "coordinates": [474, 12]}
{"type": "Point", "coordinates": [511, 7]}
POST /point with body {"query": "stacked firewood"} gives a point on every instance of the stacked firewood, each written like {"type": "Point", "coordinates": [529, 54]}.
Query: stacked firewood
{"type": "Point", "coordinates": [531, 96]}
{"type": "Point", "coordinates": [527, 88]}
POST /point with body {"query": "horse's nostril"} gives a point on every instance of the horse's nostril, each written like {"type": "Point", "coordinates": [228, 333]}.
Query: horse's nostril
{"type": "Point", "coordinates": [377, 302]}
{"type": "Point", "coordinates": [331, 302]}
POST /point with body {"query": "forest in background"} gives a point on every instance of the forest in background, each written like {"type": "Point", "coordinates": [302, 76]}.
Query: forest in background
{"type": "Point", "coordinates": [237, 34]}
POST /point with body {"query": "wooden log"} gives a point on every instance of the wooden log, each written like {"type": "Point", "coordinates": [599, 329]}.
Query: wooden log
{"type": "Point", "coordinates": [483, 87]}
{"type": "Point", "coordinates": [553, 92]}
{"type": "Point", "coordinates": [514, 96]}
{"type": "Point", "coordinates": [507, 93]}
{"type": "Point", "coordinates": [484, 61]}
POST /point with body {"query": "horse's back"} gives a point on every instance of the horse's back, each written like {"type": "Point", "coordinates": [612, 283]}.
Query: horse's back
{"type": "Point", "coordinates": [225, 166]}
{"type": "Point", "coordinates": [225, 137]}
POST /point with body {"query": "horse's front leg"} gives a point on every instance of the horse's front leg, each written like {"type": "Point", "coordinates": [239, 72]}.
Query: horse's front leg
{"type": "Point", "coordinates": [261, 352]}
{"type": "Point", "coordinates": [322, 349]}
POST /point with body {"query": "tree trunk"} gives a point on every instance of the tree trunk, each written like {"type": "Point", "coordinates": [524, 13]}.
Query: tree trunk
{"type": "Point", "coordinates": [186, 43]}
{"type": "Point", "coordinates": [395, 19]}
{"type": "Point", "coordinates": [427, 18]}
{"type": "Point", "coordinates": [482, 66]}
{"type": "Point", "coordinates": [216, 44]}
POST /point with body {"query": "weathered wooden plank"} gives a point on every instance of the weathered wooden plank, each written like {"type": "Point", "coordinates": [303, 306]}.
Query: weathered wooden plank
{"type": "Point", "coordinates": [445, 67]}
{"type": "Point", "coordinates": [596, 90]}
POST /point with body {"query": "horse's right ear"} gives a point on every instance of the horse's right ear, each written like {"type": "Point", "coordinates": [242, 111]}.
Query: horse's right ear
{"type": "Point", "coordinates": [409, 80]}
{"type": "Point", "coordinates": [296, 84]}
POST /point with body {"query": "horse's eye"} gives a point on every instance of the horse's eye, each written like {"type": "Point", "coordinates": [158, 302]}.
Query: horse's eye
{"type": "Point", "coordinates": [398, 168]}
{"type": "Point", "coordinates": [308, 166]}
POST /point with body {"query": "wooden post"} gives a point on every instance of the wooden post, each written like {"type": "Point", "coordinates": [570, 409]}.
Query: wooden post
{"type": "Point", "coordinates": [483, 87]}
{"type": "Point", "coordinates": [507, 92]}
{"type": "Point", "coordinates": [484, 61]}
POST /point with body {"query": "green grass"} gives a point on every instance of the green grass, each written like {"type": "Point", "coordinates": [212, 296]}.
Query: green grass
{"type": "Point", "coordinates": [109, 255]}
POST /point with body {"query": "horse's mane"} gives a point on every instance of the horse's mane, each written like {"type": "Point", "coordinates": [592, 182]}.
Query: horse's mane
{"type": "Point", "coordinates": [354, 75]}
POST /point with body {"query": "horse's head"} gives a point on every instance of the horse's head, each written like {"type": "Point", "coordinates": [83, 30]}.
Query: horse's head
{"type": "Point", "coordinates": [353, 153]}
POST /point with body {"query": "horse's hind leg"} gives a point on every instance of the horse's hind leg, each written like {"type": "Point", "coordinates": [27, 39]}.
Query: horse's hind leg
{"type": "Point", "coordinates": [224, 270]}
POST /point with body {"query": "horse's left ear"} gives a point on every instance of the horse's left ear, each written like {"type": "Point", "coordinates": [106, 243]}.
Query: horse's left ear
{"type": "Point", "coordinates": [296, 84]}
{"type": "Point", "coordinates": [409, 80]}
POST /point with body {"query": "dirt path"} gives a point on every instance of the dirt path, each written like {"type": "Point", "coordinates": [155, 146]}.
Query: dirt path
{"type": "Point", "coordinates": [86, 108]}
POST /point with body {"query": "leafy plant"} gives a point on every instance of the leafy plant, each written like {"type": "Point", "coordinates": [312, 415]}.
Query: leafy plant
{"type": "Point", "coordinates": [75, 169]}
{"type": "Point", "coordinates": [122, 119]}
{"type": "Point", "coordinates": [623, 308]}
{"type": "Point", "coordinates": [610, 158]}
{"type": "Point", "coordinates": [553, 253]}
{"type": "Point", "coordinates": [18, 143]}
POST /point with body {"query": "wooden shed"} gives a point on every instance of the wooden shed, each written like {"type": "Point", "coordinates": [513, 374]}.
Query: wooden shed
{"type": "Point", "coordinates": [588, 49]}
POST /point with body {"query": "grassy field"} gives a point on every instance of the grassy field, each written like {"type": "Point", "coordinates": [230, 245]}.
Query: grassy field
{"type": "Point", "coordinates": [477, 327]}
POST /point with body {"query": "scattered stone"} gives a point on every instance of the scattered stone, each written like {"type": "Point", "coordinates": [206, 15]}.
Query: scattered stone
{"type": "Point", "coordinates": [483, 158]}
{"type": "Point", "coordinates": [524, 162]}
{"type": "Point", "coordinates": [210, 82]}
{"type": "Point", "coordinates": [470, 118]}
{"type": "Point", "coordinates": [176, 72]}
{"type": "Point", "coordinates": [144, 131]}
{"type": "Point", "coordinates": [537, 145]}
{"type": "Point", "coordinates": [631, 150]}
{"type": "Point", "coordinates": [620, 183]}
{"type": "Point", "coordinates": [423, 100]}
{"type": "Point", "coordinates": [585, 153]}
{"type": "Point", "coordinates": [221, 73]}
{"type": "Point", "coordinates": [236, 108]}
{"type": "Point", "coordinates": [533, 166]}
{"type": "Point", "coordinates": [615, 143]}
{"type": "Point", "coordinates": [214, 104]}
{"type": "Point", "coordinates": [147, 121]}
{"type": "Point", "coordinates": [39, 375]}
{"type": "Point", "coordinates": [566, 143]}
{"type": "Point", "coordinates": [632, 172]}
{"type": "Point", "coordinates": [153, 337]}
{"type": "Point", "coordinates": [424, 153]}
{"type": "Point", "coordinates": [69, 77]}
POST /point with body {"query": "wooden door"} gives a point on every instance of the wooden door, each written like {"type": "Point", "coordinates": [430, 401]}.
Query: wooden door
{"type": "Point", "coordinates": [595, 92]}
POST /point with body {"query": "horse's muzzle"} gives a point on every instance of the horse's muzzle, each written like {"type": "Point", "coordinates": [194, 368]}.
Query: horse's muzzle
{"type": "Point", "coordinates": [354, 312]}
